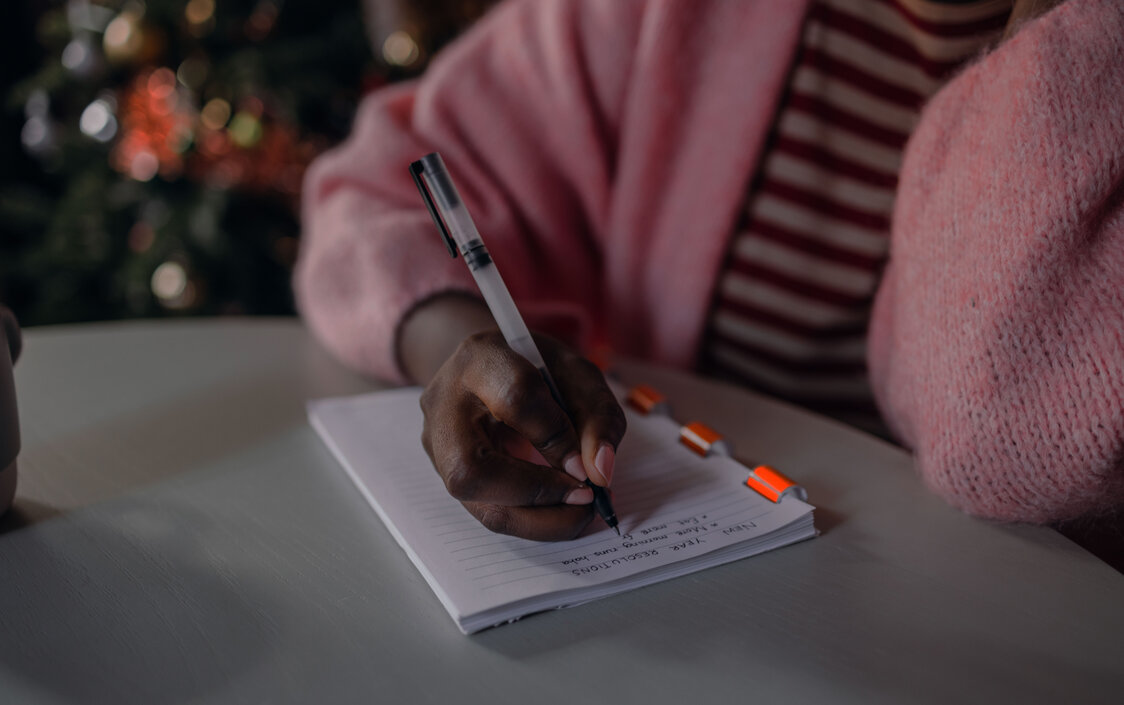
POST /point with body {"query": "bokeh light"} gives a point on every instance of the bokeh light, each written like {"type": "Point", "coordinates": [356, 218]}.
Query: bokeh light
{"type": "Point", "coordinates": [123, 36]}
{"type": "Point", "coordinates": [199, 11]}
{"type": "Point", "coordinates": [192, 72]}
{"type": "Point", "coordinates": [97, 121]}
{"type": "Point", "coordinates": [400, 49]}
{"type": "Point", "coordinates": [144, 166]}
{"type": "Point", "coordinates": [215, 114]}
{"type": "Point", "coordinates": [169, 281]}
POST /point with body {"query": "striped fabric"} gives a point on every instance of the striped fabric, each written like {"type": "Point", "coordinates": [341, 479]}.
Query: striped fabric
{"type": "Point", "coordinates": [792, 304]}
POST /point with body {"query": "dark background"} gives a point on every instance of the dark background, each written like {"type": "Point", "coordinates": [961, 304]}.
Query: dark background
{"type": "Point", "coordinates": [181, 195]}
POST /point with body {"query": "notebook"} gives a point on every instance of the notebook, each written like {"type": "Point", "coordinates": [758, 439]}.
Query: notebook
{"type": "Point", "coordinates": [679, 512]}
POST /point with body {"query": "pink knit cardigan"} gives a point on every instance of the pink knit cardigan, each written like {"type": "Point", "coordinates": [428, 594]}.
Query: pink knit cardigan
{"type": "Point", "coordinates": [604, 148]}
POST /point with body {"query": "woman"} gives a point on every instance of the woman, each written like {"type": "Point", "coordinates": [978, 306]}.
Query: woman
{"type": "Point", "coordinates": [724, 185]}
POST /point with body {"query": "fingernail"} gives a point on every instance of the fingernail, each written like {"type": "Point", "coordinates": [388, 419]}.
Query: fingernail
{"type": "Point", "coordinates": [575, 468]}
{"type": "Point", "coordinates": [603, 462]}
{"type": "Point", "coordinates": [582, 495]}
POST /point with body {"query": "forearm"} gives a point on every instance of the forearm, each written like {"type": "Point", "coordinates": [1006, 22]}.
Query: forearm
{"type": "Point", "coordinates": [369, 250]}
{"type": "Point", "coordinates": [994, 345]}
{"type": "Point", "coordinates": [434, 328]}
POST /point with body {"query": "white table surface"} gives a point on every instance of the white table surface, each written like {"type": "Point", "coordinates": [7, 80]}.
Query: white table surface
{"type": "Point", "coordinates": [180, 535]}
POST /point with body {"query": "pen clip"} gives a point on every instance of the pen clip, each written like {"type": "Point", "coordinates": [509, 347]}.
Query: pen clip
{"type": "Point", "coordinates": [416, 171]}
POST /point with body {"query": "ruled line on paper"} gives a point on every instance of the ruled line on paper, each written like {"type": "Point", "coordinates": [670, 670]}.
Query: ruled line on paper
{"type": "Point", "coordinates": [500, 541]}
{"type": "Point", "coordinates": [568, 549]}
{"type": "Point", "coordinates": [478, 529]}
{"type": "Point", "coordinates": [463, 520]}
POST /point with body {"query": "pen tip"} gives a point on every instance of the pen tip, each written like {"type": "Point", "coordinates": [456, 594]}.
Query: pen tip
{"type": "Point", "coordinates": [617, 529]}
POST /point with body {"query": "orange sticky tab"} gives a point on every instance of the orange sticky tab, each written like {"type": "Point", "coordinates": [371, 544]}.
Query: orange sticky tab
{"type": "Point", "coordinates": [772, 484]}
{"type": "Point", "coordinates": [703, 439]}
{"type": "Point", "coordinates": [647, 400]}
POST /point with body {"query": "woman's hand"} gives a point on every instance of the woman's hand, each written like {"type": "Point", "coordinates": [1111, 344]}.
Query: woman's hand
{"type": "Point", "coordinates": [502, 444]}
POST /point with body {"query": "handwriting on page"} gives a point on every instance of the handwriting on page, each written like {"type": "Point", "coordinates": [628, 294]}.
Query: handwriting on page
{"type": "Point", "coordinates": [683, 534]}
{"type": "Point", "coordinates": [646, 545]}
{"type": "Point", "coordinates": [679, 505]}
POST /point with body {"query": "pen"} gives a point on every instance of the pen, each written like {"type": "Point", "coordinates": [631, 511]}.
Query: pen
{"type": "Point", "coordinates": [459, 233]}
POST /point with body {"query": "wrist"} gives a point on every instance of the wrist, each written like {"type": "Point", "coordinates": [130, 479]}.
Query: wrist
{"type": "Point", "coordinates": [432, 330]}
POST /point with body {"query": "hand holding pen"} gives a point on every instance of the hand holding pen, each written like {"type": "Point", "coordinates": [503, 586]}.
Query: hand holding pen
{"type": "Point", "coordinates": [501, 387]}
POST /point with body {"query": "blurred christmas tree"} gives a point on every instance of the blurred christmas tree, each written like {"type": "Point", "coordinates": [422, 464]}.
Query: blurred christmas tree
{"type": "Point", "coordinates": [160, 151]}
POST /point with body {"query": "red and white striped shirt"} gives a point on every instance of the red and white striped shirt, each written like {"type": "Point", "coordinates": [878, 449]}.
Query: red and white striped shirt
{"type": "Point", "coordinates": [792, 304]}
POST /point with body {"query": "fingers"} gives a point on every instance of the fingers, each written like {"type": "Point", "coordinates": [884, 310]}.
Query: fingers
{"type": "Point", "coordinates": [506, 494]}
{"type": "Point", "coordinates": [478, 402]}
{"type": "Point", "coordinates": [515, 393]}
{"type": "Point", "coordinates": [594, 411]}
{"type": "Point", "coordinates": [475, 469]}
{"type": "Point", "coordinates": [484, 396]}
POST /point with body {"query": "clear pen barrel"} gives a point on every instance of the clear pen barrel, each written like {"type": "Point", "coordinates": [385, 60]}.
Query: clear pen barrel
{"type": "Point", "coordinates": [507, 317]}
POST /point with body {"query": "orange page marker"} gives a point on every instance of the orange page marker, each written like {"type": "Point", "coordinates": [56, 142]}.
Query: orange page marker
{"type": "Point", "coordinates": [772, 484]}
{"type": "Point", "coordinates": [703, 440]}
{"type": "Point", "coordinates": [647, 400]}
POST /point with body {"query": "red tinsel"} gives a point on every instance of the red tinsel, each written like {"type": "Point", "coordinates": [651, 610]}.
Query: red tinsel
{"type": "Point", "coordinates": [162, 133]}
{"type": "Point", "coordinates": [156, 126]}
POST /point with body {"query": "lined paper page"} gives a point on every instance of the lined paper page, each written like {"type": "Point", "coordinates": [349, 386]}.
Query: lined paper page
{"type": "Point", "coordinates": [673, 506]}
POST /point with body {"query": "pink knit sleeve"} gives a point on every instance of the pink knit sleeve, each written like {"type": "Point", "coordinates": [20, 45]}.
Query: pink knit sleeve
{"type": "Point", "coordinates": [526, 129]}
{"type": "Point", "coordinates": [997, 343]}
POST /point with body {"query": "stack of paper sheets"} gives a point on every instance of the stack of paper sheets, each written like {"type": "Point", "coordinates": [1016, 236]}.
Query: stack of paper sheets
{"type": "Point", "coordinates": [679, 513]}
